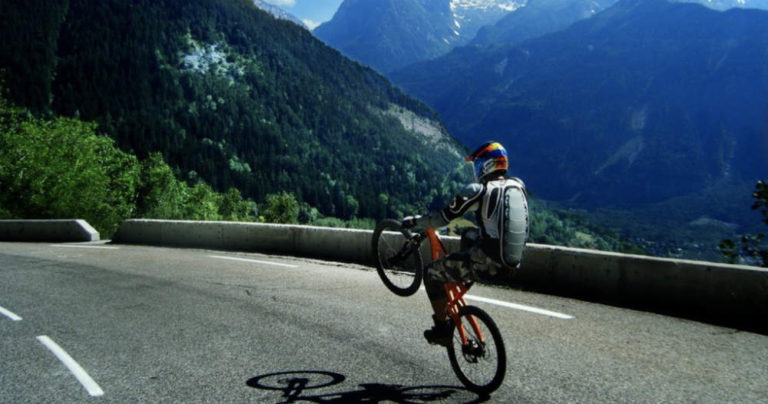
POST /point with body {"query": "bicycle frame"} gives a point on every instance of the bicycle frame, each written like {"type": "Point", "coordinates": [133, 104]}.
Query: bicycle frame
{"type": "Point", "coordinates": [454, 290]}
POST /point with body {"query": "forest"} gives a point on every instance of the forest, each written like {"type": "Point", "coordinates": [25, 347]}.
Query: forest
{"type": "Point", "coordinates": [214, 110]}
{"type": "Point", "coordinates": [229, 95]}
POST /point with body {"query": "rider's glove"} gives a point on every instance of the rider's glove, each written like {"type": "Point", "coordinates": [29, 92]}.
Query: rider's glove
{"type": "Point", "coordinates": [410, 221]}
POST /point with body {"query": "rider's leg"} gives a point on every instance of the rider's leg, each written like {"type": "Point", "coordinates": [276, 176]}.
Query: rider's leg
{"type": "Point", "coordinates": [435, 277]}
{"type": "Point", "coordinates": [437, 297]}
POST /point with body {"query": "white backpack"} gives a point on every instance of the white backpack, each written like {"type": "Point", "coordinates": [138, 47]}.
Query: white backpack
{"type": "Point", "coordinates": [504, 213]}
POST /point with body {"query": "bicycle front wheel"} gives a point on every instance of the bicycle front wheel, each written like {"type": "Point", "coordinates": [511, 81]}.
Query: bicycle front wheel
{"type": "Point", "coordinates": [481, 363]}
{"type": "Point", "coordinates": [398, 260]}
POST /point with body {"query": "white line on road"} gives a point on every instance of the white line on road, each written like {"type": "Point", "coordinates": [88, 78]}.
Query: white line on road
{"type": "Point", "coordinates": [253, 261]}
{"type": "Point", "coordinates": [522, 307]}
{"type": "Point", "coordinates": [93, 389]}
{"type": "Point", "coordinates": [517, 306]}
{"type": "Point", "coordinates": [9, 314]}
{"type": "Point", "coordinates": [84, 246]}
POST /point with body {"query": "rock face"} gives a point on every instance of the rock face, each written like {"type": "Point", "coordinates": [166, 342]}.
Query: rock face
{"type": "Point", "coordinates": [390, 34]}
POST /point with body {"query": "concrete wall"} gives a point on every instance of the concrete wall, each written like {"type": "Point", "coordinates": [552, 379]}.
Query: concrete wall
{"type": "Point", "coordinates": [346, 245]}
{"type": "Point", "coordinates": [60, 230]}
{"type": "Point", "coordinates": [731, 294]}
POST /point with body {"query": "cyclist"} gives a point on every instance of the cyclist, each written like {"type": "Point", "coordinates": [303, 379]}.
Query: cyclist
{"type": "Point", "coordinates": [480, 250]}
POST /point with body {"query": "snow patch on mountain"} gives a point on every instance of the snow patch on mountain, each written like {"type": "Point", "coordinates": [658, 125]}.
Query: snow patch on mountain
{"type": "Point", "coordinates": [508, 5]}
{"type": "Point", "coordinates": [279, 13]}
{"type": "Point", "coordinates": [470, 15]}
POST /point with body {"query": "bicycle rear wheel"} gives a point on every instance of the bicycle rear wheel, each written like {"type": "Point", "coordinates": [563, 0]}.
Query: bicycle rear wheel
{"type": "Point", "coordinates": [482, 363]}
{"type": "Point", "coordinates": [398, 260]}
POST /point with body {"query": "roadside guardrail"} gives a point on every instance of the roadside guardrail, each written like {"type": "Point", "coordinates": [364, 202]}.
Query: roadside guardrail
{"type": "Point", "coordinates": [53, 230]}
{"type": "Point", "coordinates": [730, 294]}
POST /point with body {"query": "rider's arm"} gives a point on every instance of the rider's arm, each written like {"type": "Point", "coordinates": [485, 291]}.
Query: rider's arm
{"type": "Point", "coordinates": [466, 201]}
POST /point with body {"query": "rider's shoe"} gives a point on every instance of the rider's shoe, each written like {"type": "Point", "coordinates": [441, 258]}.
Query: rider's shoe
{"type": "Point", "coordinates": [440, 333]}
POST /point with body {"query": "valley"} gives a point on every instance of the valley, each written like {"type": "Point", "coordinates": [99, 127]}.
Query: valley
{"type": "Point", "coordinates": [637, 125]}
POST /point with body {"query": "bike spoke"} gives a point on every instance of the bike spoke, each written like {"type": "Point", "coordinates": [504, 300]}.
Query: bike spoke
{"type": "Point", "coordinates": [481, 362]}
{"type": "Point", "coordinates": [398, 259]}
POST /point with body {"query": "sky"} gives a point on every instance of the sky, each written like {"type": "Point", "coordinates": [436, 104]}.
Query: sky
{"type": "Point", "coordinates": [311, 12]}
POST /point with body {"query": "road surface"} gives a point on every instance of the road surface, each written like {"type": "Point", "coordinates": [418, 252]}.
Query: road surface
{"type": "Point", "coordinates": [98, 322]}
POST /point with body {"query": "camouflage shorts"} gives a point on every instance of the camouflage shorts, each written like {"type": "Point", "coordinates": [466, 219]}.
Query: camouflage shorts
{"type": "Point", "coordinates": [464, 265]}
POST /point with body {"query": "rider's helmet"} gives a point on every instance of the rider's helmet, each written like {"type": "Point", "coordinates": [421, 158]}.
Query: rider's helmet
{"type": "Point", "coordinates": [489, 160]}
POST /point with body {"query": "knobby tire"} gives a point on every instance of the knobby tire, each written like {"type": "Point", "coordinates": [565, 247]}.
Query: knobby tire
{"type": "Point", "coordinates": [398, 260]}
{"type": "Point", "coordinates": [493, 356]}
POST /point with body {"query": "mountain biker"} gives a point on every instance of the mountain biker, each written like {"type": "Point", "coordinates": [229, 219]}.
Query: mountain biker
{"type": "Point", "coordinates": [480, 249]}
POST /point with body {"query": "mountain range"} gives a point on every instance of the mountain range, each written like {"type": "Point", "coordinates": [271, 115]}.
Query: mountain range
{"type": "Point", "coordinates": [538, 17]}
{"type": "Point", "coordinates": [644, 101]}
{"type": "Point", "coordinates": [390, 34]}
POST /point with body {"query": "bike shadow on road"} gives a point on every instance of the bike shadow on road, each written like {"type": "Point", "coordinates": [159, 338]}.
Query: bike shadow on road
{"type": "Point", "coordinates": [314, 386]}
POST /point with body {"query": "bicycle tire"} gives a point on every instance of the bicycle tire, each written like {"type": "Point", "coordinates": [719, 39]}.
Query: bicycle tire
{"type": "Point", "coordinates": [481, 367]}
{"type": "Point", "coordinates": [398, 259]}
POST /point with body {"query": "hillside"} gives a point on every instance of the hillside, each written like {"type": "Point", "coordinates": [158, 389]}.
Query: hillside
{"type": "Point", "coordinates": [230, 95]}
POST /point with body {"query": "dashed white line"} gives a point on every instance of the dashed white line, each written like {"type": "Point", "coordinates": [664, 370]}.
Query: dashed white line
{"type": "Point", "coordinates": [253, 261]}
{"type": "Point", "coordinates": [95, 247]}
{"type": "Point", "coordinates": [82, 376]}
{"type": "Point", "coordinates": [13, 316]}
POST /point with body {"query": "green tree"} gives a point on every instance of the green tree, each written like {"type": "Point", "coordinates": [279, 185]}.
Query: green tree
{"type": "Point", "coordinates": [202, 203]}
{"type": "Point", "coordinates": [232, 206]}
{"type": "Point", "coordinates": [281, 208]}
{"type": "Point", "coordinates": [160, 194]}
{"type": "Point", "coordinates": [751, 245]}
{"type": "Point", "coordinates": [61, 168]}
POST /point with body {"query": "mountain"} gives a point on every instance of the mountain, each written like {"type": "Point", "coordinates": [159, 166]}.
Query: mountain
{"type": "Point", "coordinates": [723, 5]}
{"type": "Point", "coordinates": [469, 16]}
{"type": "Point", "coordinates": [537, 18]}
{"type": "Point", "coordinates": [230, 95]}
{"type": "Point", "coordinates": [645, 101]}
{"type": "Point", "coordinates": [278, 12]}
{"type": "Point", "coordinates": [390, 34]}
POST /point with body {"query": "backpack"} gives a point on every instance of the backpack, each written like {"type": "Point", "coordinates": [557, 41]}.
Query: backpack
{"type": "Point", "coordinates": [504, 214]}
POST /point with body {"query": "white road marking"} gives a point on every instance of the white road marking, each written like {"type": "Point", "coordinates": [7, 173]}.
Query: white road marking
{"type": "Point", "coordinates": [522, 307]}
{"type": "Point", "coordinates": [517, 306]}
{"type": "Point", "coordinates": [84, 246]}
{"type": "Point", "coordinates": [93, 389]}
{"type": "Point", "coordinates": [9, 314]}
{"type": "Point", "coordinates": [253, 261]}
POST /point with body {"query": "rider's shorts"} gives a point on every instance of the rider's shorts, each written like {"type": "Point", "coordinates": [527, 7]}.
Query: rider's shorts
{"type": "Point", "coordinates": [465, 265]}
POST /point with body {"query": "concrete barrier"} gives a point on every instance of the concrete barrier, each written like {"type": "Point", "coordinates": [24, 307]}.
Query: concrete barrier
{"type": "Point", "coordinates": [347, 245]}
{"type": "Point", "coordinates": [730, 294]}
{"type": "Point", "coordinates": [733, 295]}
{"type": "Point", "coordinates": [55, 230]}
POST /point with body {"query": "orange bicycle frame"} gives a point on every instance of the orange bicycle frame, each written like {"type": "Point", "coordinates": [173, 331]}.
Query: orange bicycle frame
{"type": "Point", "coordinates": [454, 290]}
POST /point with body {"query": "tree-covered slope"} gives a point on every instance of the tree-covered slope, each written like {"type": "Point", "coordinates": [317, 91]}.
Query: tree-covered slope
{"type": "Point", "coordinates": [231, 95]}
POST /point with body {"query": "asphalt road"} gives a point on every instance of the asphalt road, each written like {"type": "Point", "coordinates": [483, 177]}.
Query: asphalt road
{"type": "Point", "coordinates": [147, 324]}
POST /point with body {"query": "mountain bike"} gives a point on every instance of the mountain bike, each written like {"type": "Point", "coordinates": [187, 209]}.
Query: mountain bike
{"type": "Point", "coordinates": [476, 352]}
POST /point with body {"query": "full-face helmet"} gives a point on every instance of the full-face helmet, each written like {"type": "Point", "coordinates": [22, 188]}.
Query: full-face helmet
{"type": "Point", "coordinates": [489, 160]}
